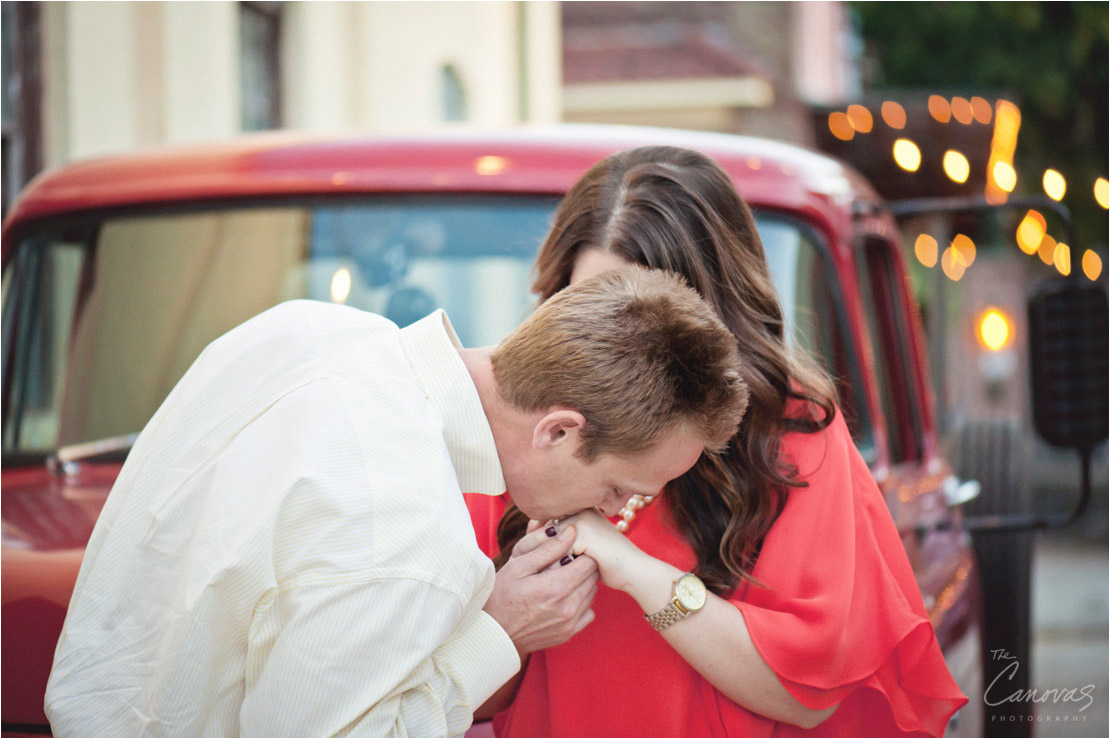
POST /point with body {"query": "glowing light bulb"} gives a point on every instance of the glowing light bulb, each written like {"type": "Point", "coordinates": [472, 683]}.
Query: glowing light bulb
{"type": "Point", "coordinates": [952, 264]}
{"type": "Point", "coordinates": [1054, 184]}
{"type": "Point", "coordinates": [907, 155]}
{"type": "Point", "coordinates": [956, 166]}
{"type": "Point", "coordinates": [860, 118]}
{"type": "Point", "coordinates": [939, 109]}
{"type": "Point", "coordinates": [1102, 192]}
{"type": "Point", "coordinates": [925, 249]}
{"type": "Point", "coordinates": [1030, 232]}
{"type": "Point", "coordinates": [841, 126]}
{"type": "Point", "coordinates": [1004, 176]}
{"type": "Point", "coordinates": [995, 329]}
{"type": "Point", "coordinates": [894, 115]}
{"type": "Point", "coordinates": [1092, 265]}
{"type": "Point", "coordinates": [965, 247]}
{"type": "Point", "coordinates": [1061, 259]}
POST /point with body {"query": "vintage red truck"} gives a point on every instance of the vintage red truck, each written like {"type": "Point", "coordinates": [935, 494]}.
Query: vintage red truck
{"type": "Point", "coordinates": [117, 273]}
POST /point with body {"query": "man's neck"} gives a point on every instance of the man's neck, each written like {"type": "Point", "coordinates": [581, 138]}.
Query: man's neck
{"type": "Point", "coordinates": [509, 426]}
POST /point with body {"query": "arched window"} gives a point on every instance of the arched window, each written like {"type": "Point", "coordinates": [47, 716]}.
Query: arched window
{"type": "Point", "coordinates": [453, 94]}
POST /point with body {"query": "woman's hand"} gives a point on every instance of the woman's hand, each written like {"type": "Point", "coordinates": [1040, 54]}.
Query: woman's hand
{"type": "Point", "coordinates": [618, 559]}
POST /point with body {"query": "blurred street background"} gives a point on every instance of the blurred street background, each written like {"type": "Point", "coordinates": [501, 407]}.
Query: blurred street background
{"type": "Point", "coordinates": [991, 100]}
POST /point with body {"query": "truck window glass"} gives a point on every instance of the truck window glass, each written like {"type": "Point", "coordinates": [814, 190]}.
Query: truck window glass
{"type": "Point", "coordinates": [814, 315]}
{"type": "Point", "coordinates": [888, 334]}
{"type": "Point", "coordinates": [132, 308]}
{"type": "Point", "coordinates": [43, 312]}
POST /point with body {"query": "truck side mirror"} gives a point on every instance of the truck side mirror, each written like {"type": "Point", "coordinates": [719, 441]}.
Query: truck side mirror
{"type": "Point", "coordinates": [1069, 371]}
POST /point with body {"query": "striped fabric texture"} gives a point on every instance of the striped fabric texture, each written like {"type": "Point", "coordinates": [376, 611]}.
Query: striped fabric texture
{"type": "Point", "coordinates": [286, 551]}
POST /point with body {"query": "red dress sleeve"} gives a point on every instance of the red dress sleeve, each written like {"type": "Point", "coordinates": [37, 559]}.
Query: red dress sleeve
{"type": "Point", "coordinates": [841, 619]}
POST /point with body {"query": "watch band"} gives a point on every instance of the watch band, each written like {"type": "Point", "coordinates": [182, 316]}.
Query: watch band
{"type": "Point", "coordinates": [668, 616]}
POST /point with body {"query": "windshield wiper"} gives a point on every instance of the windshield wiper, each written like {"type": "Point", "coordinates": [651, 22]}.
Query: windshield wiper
{"type": "Point", "coordinates": [67, 460]}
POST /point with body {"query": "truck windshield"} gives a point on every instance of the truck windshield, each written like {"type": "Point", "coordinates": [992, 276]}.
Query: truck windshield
{"type": "Point", "coordinates": [103, 316]}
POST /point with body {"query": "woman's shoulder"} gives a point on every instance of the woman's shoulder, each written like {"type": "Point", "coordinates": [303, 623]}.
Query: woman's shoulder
{"type": "Point", "coordinates": [808, 448]}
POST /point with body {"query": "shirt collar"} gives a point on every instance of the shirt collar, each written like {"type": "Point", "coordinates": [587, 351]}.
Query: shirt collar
{"type": "Point", "coordinates": [431, 346]}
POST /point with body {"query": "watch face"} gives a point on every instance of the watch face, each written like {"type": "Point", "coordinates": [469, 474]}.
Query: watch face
{"type": "Point", "coordinates": [690, 592]}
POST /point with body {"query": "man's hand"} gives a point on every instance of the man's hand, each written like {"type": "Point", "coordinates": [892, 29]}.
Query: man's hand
{"type": "Point", "coordinates": [542, 595]}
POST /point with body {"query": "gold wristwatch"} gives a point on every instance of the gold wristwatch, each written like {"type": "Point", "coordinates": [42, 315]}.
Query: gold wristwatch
{"type": "Point", "coordinates": [689, 596]}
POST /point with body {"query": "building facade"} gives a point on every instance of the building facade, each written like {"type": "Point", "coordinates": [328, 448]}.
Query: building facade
{"type": "Point", "coordinates": [84, 79]}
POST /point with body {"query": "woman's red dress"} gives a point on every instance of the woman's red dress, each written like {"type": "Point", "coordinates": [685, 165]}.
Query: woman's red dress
{"type": "Point", "coordinates": [841, 620]}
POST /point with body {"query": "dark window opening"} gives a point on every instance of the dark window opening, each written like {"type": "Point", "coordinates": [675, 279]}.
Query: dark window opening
{"type": "Point", "coordinates": [260, 65]}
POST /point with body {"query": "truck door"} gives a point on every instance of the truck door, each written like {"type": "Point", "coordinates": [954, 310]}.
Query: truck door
{"type": "Point", "coordinates": [923, 495]}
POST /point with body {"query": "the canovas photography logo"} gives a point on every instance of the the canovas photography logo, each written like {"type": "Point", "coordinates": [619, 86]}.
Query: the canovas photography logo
{"type": "Point", "coordinates": [1001, 692]}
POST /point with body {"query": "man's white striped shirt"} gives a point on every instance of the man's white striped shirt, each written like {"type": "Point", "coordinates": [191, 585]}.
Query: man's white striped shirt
{"type": "Point", "coordinates": [287, 551]}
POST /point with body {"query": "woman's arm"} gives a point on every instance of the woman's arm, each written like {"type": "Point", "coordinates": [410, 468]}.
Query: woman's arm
{"type": "Point", "coordinates": [714, 641]}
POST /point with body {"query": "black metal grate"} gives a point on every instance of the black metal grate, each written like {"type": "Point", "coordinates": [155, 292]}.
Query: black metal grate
{"type": "Point", "coordinates": [1068, 361]}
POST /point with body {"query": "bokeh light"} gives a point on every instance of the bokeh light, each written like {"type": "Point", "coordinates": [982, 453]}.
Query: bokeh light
{"type": "Point", "coordinates": [1047, 249]}
{"type": "Point", "coordinates": [961, 110]}
{"type": "Point", "coordinates": [995, 329]}
{"type": "Point", "coordinates": [907, 155]}
{"type": "Point", "coordinates": [1031, 231]}
{"type": "Point", "coordinates": [1092, 265]}
{"type": "Point", "coordinates": [341, 285]}
{"type": "Point", "coordinates": [841, 126]}
{"type": "Point", "coordinates": [1102, 192]}
{"type": "Point", "coordinates": [965, 247]}
{"type": "Point", "coordinates": [981, 110]}
{"type": "Point", "coordinates": [925, 249]}
{"type": "Point", "coordinates": [860, 118]}
{"type": "Point", "coordinates": [1054, 184]}
{"type": "Point", "coordinates": [894, 115]}
{"type": "Point", "coordinates": [939, 108]}
{"type": "Point", "coordinates": [1061, 259]}
{"type": "Point", "coordinates": [956, 166]}
{"type": "Point", "coordinates": [952, 264]}
{"type": "Point", "coordinates": [1004, 176]}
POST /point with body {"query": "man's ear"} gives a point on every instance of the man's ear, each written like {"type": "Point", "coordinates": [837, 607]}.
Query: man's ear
{"type": "Point", "coordinates": [556, 428]}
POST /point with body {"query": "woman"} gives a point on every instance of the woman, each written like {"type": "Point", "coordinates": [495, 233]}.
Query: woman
{"type": "Point", "coordinates": [813, 618]}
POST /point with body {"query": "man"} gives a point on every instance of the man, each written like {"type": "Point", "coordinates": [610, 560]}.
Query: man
{"type": "Point", "coordinates": [287, 552]}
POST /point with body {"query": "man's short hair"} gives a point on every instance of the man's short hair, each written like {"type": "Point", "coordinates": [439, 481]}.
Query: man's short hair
{"type": "Point", "coordinates": [634, 350]}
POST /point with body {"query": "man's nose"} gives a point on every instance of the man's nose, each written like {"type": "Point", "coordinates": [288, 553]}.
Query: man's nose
{"type": "Point", "coordinates": [615, 508]}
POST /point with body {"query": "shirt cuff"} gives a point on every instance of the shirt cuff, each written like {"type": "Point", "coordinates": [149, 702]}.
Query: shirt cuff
{"type": "Point", "coordinates": [484, 656]}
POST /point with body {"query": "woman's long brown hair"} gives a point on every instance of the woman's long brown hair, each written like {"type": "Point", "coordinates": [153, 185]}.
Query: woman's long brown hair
{"type": "Point", "coordinates": [675, 209]}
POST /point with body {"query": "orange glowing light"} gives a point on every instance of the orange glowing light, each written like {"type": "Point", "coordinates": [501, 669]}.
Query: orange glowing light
{"type": "Point", "coordinates": [1007, 123]}
{"type": "Point", "coordinates": [1102, 192]}
{"type": "Point", "coordinates": [952, 264]}
{"type": "Point", "coordinates": [1092, 265]}
{"type": "Point", "coordinates": [925, 249]}
{"type": "Point", "coordinates": [1030, 232]}
{"type": "Point", "coordinates": [1004, 176]}
{"type": "Point", "coordinates": [1047, 249]}
{"type": "Point", "coordinates": [841, 126]}
{"type": "Point", "coordinates": [961, 110]}
{"type": "Point", "coordinates": [894, 115]}
{"type": "Point", "coordinates": [995, 329]}
{"type": "Point", "coordinates": [1061, 259]}
{"type": "Point", "coordinates": [965, 247]}
{"type": "Point", "coordinates": [1054, 184]}
{"type": "Point", "coordinates": [860, 118]}
{"type": "Point", "coordinates": [907, 155]}
{"type": "Point", "coordinates": [956, 166]}
{"type": "Point", "coordinates": [981, 110]}
{"type": "Point", "coordinates": [939, 108]}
